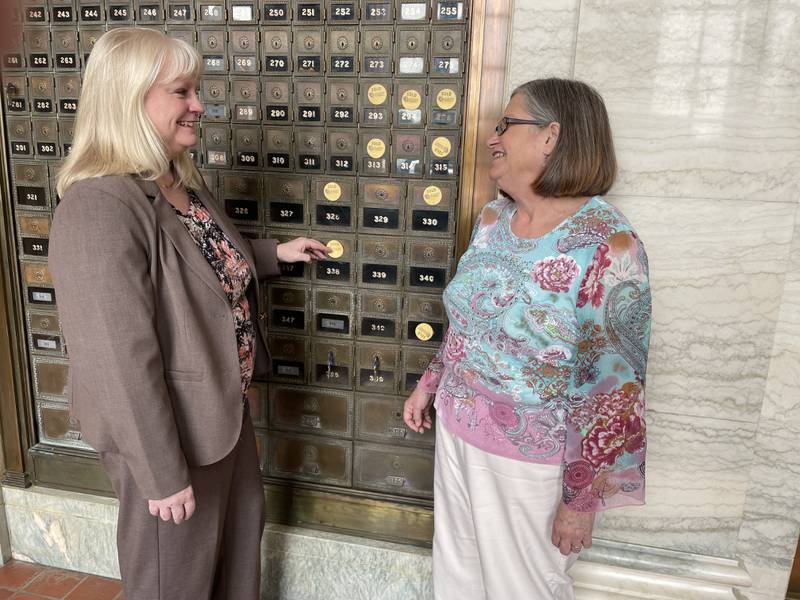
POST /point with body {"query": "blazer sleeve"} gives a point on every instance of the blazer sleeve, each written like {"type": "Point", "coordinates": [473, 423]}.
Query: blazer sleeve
{"type": "Point", "coordinates": [100, 253]}
{"type": "Point", "coordinates": [265, 253]}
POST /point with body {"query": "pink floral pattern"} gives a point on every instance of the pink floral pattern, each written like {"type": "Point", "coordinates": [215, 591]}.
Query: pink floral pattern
{"type": "Point", "coordinates": [234, 276]}
{"type": "Point", "coordinates": [555, 273]}
{"type": "Point", "coordinates": [592, 288]}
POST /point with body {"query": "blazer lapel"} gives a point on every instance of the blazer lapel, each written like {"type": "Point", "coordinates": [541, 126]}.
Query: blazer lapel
{"type": "Point", "coordinates": [180, 237]}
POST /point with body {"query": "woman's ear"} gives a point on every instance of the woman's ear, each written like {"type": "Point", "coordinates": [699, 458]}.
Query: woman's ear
{"type": "Point", "coordinates": [553, 130]}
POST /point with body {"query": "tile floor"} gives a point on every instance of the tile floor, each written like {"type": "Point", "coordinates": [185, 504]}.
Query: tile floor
{"type": "Point", "coordinates": [26, 581]}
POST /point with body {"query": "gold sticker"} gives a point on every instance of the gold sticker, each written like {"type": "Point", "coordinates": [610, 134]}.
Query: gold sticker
{"type": "Point", "coordinates": [446, 99]}
{"type": "Point", "coordinates": [432, 195]}
{"type": "Point", "coordinates": [424, 332]}
{"type": "Point", "coordinates": [336, 249]}
{"type": "Point", "coordinates": [376, 148]}
{"type": "Point", "coordinates": [332, 191]}
{"type": "Point", "coordinates": [411, 100]}
{"type": "Point", "coordinates": [441, 147]}
{"type": "Point", "coordinates": [377, 94]}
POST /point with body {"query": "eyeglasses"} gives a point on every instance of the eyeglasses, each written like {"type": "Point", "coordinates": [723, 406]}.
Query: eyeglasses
{"type": "Point", "coordinates": [503, 123]}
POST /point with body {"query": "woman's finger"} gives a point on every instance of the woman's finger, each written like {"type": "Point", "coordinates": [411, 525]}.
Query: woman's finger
{"type": "Point", "coordinates": [189, 506]}
{"type": "Point", "coordinates": [178, 514]}
{"type": "Point", "coordinates": [165, 513]}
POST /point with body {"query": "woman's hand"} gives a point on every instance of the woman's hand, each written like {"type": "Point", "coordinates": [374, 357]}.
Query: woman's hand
{"type": "Point", "coordinates": [179, 507]}
{"type": "Point", "coordinates": [417, 410]}
{"type": "Point", "coordinates": [302, 250]}
{"type": "Point", "coordinates": [572, 530]}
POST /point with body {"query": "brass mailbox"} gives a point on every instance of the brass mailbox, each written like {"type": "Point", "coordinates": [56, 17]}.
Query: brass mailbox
{"type": "Point", "coordinates": [212, 44]}
{"type": "Point", "coordinates": [409, 103]}
{"type": "Point", "coordinates": [378, 315]}
{"type": "Point", "coordinates": [447, 52]}
{"type": "Point", "coordinates": [290, 272]}
{"type": "Point", "coordinates": [87, 38]}
{"type": "Point", "coordinates": [120, 12]}
{"type": "Point", "coordinates": [276, 45]}
{"type": "Point", "coordinates": [44, 332]}
{"type": "Point", "coordinates": [340, 264]}
{"type": "Point", "coordinates": [13, 57]}
{"type": "Point", "coordinates": [415, 361]}
{"type": "Point", "coordinates": [424, 320]}
{"type": "Point", "coordinates": [445, 107]}
{"type": "Point", "coordinates": [309, 94]}
{"type": "Point", "coordinates": [332, 202]}
{"type": "Point", "coordinates": [307, 458]}
{"type": "Point", "coordinates": [342, 146]}
{"type": "Point", "coordinates": [91, 11]}
{"type": "Point", "coordinates": [43, 97]}
{"type": "Point", "coordinates": [216, 141]}
{"type": "Point", "coordinates": [333, 312]}
{"type": "Point", "coordinates": [243, 49]}
{"type": "Point", "coordinates": [341, 52]}
{"type": "Point", "coordinates": [289, 358]}
{"type": "Point", "coordinates": [375, 103]}
{"type": "Point", "coordinates": [376, 49]}
{"type": "Point", "coordinates": [381, 205]}
{"type": "Point", "coordinates": [31, 185]}
{"type": "Point", "coordinates": [210, 11]}
{"type": "Point", "coordinates": [431, 208]}
{"type": "Point", "coordinates": [412, 51]}
{"type": "Point", "coordinates": [66, 133]}
{"type": "Point", "coordinates": [379, 418]}
{"type": "Point", "coordinates": [428, 262]}
{"type": "Point", "coordinates": [309, 149]}
{"type": "Point", "coordinates": [342, 101]}
{"type": "Point", "coordinates": [247, 146]}
{"type": "Point", "coordinates": [68, 90]}
{"type": "Point", "coordinates": [20, 140]}
{"type": "Point", "coordinates": [278, 100]}
{"type": "Point", "coordinates": [278, 149]}
{"type": "Point", "coordinates": [380, 261]}
{"type": "Point", "coordinates": [406, 471]}
{"type": "Point", "coordinates": [246, 100]}
{"type": "Point", "coordinates": [242, 11]}
{"type": "Point", "coordinates": [413, 11]}
{"type": "Point", "coordinates": [50, 377]}
{"type": "Point", "coordinates": [65, 49]}
{"type": "Point", "coordinates": [276, 11]}
{"type": "Point", "coordinates": [179, 11]}
{"type": "Point", "coordinates": [442, 154]}
{"type": "Point", "coordinates": [449, 11]}
{"type": "Point", "coordinates": [308, 51]}
{"type": "Point", "coordinates": [214, 96]}
{"type": "Point", "coordinates": [241, 197]}
{"type": "Point", "coordinates": [342, 11]}
{"type": "Point", "coordinates": [33, 234]}
{"type": "Point", "coordinates": [408, 153]}
{"type": "Point", "coordinates": [45, 137]}
{"type": "Point", "coordinates": [377, 367]}
{"type": "Point", "coordinates": [148, 11]}
{"type": "Point", "coordinates": [332, 363]}
{"type": "Point", "coordinates": [287, 201]}
{"type": "Point", "coordinates": [307, 12]}
{"type": "Point", "coordinates": [373, 151]}
{"type": "Point", "coordinates": [377, 11]}
{"type": "Point", "coordinates": [15, 93]}
{"type": "Point", "coordinates": [58, 427]}
{"type": "Point", "coordinates": [316, 410]}
{"type": "Point", "coordinates": [288, 307]}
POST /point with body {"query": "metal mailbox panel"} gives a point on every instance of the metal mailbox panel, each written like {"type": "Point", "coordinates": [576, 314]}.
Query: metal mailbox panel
{"type": "Point", "coordinates": [44, 333]}
{"type": "Point", "coordinates": [406, 471]}
{"type": "Point", "coordinates": [309, 458]}
{"type": "Point", "coordinates": [308, 51]}
{"type": "Point", "coordinates": [443, 154]}
{"type": "Point", "coordinates": [340, 266]}
{"type": "Point", "coordinates": [415, 361]}
{"type": "Point", "coordinates": [374, 152]}
{"type": "Point", "coordinates": [376, 50]}
{"type": "Point", "coordinates": [409, 103]}
{"type": "Point", "coordinates": [288, 308]}
{"type": "Point", "coordinates": [243, 50]}
{"type": "Point", "coordinates": [342, 102]}
{"type": "Point", "coordinates": [246, 100]}
{"type": "Point", "coordinates": [342, 11]}
{"type": "Point", "coordinates": [66, 55]}
{"type": "Point", "coordinates": [287, 201]}
{"type": "Point", "coordinates": [309, 153]}
{"type": "Point", "coordinates": [309, 94]}
{"type": "Point", "coordinates": [278, 100]}
{"type": "Point", "coordinates": [307, 12]}
{"type": "Point", "coordinates": [276, 44]}
{"type": "Point", "coordinates": [278, 149]}
{"type": "Point", "coordinates": [332, 363]}
{"type": "Point", "coordinates": [15, 93]}
{"type": "Point", "coordinates": [87, 38]}
{"type": "Point", "coordinates": [120, 11]}
{"type": "Point", "coordinates": [179, 11]}
{"type": "Point", "coordinates": [377, 11]}
{"type": "Point", "coordinates": [332, 203]}
{"type": "Point", "coordinates": [413, 11]}
{"type": "Point", "coordinates": [341, 54]}
{"type": "Point", "coordinates": [276, 11]}
{"type": "Point", "coordinates": [408, 153]}
{"type": "Point", "coordinates": [66, 133]}
{"type": "Point", "coordinates": [212, 44]}
{"type": "Point", "coordinates": [241, 197]}
{"type": "Point", "coordinates": [91, 11]}
{"type": "Point", "coordinates": [242, 11]}
{"type": "Point", "coordinates": [43, 96]}
{"type": "Point", "coordinates": [13, 56]}
{"type": "Point", "coordinates": [322, 412]}
{"type": "Point", "coordinates": [377, 368]}
{"type": "Point", "coordinates": [68, 90]}
{"type": "Point", "coordinates": [380, 261]}
{"type": "Point", "coordinates": [37, 48]}
{"type": "Point", "coordinates": [431, 208]}
{"type": "Point", "coordinates": [34, 232]}
{"type": "Point", "coordinates": [291, 272]}
{"type": "Point", "coordinates": [185, 33]}
{"type": "Point", "coordinates": [50, 377]}
{"type": "Point", "coordinates": [31, 185]}
{"type": "Point", "coordinates": [449, 11]}
{"type": "Point", "coordinates": [210, 12]}
{"type": "Point", "coordinates": [378, 315]}
{"type": "Point", "coordinates": [412, 52]}
{"type": "Point", "coordinates": [63, 11]}
{"type": "Point", "coordinates": [424, 320]}
{"type": "Point", "coordinates": [375, 103]}
{"type": "Point", "coordinates": [428, 263]}
{"type": "Point", "coordinates": [148, 11]}
{"type": "Point", "coordinates": [333, 312]}
{"type": "Point", "coordinates": [381, 205]}
{"type": "Point", "coordinates": [57, 427]}
{"type": "Point", "coordinates": [289, 358]}
{"type": "Point", "coordinates": [445, 107]}
{"type": "Point", "coordinates": [247, 146]}
{"type": "Point", "coordinates": [380, 419]}
{"type": "Point", "coordinates": [45, 137]}
{"type": "Point", "coordinates": [447, 52]}
{"type": "Point", "coordinates": [342, 148]}
{"type": "Point", "coordinates": [216, 140]}
{"type": "Point", "coordinates": [214, 96]}
{"type": "Point", "coordinates": [20, 138]}
{"type": "Point", "coordinates": [35, 11]}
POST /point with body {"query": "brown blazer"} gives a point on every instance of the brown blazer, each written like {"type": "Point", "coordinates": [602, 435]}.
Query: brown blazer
{"type": "Point", "coordinates": [154, 365]}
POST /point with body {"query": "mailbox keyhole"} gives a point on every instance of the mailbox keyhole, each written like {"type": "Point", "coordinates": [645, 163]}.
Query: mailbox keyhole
{"type": "Point", "coordinates": [310, 142]}
{"type": "Point", "coordinates": [380, 305]}
{"type": "Point", "coordinates": [246, 140]}
{"type": "Point", "coordinates": [382, 194]}
{"type": "Point", "coordinates": [276, 93]}
{"type": "Point", "coordinates": [380, 251]}
{"type": "Point", "coordinates": [341, 94]}
{"type": "Point", "coordinates": [332, 301]}
{"type": "Point", "coordinates": [428, 253]}
{"type": "Point", "coordinates": [212, 41]}
{"type": "Point", "coordinates": [342, 43]}
{"type": "Point", "coordinates": [448, 42]}
{"type": "Point", "coordinates": [213, 92]}
{"type": "Point", "coordinates": [216, 138]}
{"type": "Point", "coordinates": [286, 188]}
{"type": "Point", "coordinates": [244, 42]}
{"type": "Point", "coordinates": [309, 93]}
{"type": "Point", "coordinates": [412, 43]}
{"type": "Point", "coordinates": [426, 307]}
{"type": "Point", "coordinates": [245, 93]}
{"type": "Point", "coordinates": [308, 43]}
{"type": "Point", "coordinates": [341, 144]}
{"type": "Point", "coordinates": [408, 146]}
{"type": "Point", "coordinates": [377, 43]}
{"type": "Point", "coordinates": [276, 43]}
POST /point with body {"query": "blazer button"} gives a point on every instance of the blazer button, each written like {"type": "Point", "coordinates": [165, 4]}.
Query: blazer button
{"type": "Point", "coordinates": [262, 316]}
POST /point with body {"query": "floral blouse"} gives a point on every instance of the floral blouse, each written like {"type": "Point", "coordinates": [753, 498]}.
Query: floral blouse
{"type": "Point", "coordinates": [545, 356]}
{"type": "Point", "coordinates": [234, 275]}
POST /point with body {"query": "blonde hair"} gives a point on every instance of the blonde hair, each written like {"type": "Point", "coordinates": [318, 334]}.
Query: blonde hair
{"type": "Point", "coordinates": [583, 162]}
{"type": "Point", "coordinates": [113, 134]}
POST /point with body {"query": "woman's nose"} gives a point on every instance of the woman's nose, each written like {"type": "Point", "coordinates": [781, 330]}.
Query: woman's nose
{"type": "Point", "coordinates": [195, 105]}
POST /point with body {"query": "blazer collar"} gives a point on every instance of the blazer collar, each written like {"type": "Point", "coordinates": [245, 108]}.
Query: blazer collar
{"type": "Point", "coordinates": [183, 241]}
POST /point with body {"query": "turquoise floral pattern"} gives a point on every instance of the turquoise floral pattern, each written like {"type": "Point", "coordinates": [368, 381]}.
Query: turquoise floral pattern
{"type": "Point", "coordinates": [545, 356]}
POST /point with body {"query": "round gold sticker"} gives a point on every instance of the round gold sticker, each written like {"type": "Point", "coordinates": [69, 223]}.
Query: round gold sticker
{"type": "Point", "coordinates": [424, 332]}
{"type": "Point", "coordinates": [336, 249]}
{"type": "Point", "coordinates": [377, 94]}
{"type": "Point", "coordinates": [411, 99]}
{"type": "Point", "coordinates": [432, 195]}
{"type": "Point", "coordinates": [441, 147]}
{"type": "Point", "coordinates": [376, 148]}
{"type": "Point", "coordinates": [332, 191]}
{"type": "Point", "coordinates": [446, 99]}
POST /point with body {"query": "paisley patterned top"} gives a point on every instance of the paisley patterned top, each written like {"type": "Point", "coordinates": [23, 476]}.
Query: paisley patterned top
{"type": "Point", "coordinates": [234, 276]}
{"type": "Point", "coordinates": [546, 352]}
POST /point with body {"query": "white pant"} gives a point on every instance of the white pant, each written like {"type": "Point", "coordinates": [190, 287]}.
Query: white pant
{"type": "Point", "coordinates": [492, 523]}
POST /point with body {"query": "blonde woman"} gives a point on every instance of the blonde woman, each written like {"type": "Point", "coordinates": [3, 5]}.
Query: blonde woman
{"type": "Point", "coordinates": [158, 299]}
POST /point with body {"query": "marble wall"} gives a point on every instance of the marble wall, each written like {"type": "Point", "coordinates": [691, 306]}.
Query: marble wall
{"type": "Point", "coordinates": [704, 97]}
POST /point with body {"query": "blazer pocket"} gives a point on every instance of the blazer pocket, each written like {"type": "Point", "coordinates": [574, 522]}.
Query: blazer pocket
{"type": "Point", "coordinates": [176, 375]}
